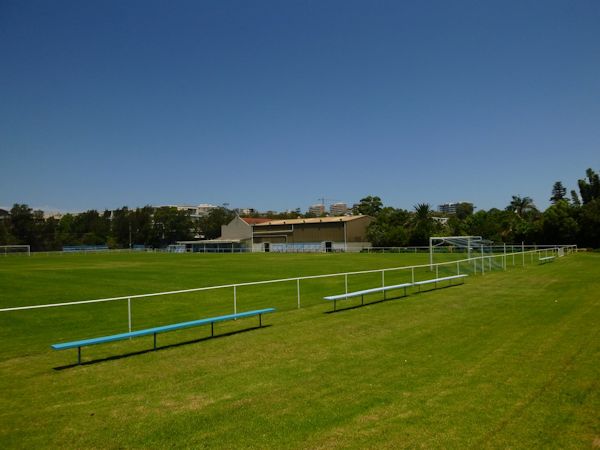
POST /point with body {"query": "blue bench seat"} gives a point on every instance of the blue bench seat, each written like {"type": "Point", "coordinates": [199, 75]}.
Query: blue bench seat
{"type": "Point", "coordinates": [156, 330]}
{"type": "Point", "coordinates": [438, 280]}
{"type": "Point", "coordinates": [384, 289]}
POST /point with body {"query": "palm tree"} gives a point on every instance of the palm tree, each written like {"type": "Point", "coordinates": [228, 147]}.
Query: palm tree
{"type": "Point", "coordinates": [422, 224]}
{"type": "Point", "coordinates": [422, 212]}
{"type": "Point", "coordinates": [521, 205]}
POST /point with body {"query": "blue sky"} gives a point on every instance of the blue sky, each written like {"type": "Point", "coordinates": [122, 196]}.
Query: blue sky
{"type": "Point", "coordinates": [274, 104]}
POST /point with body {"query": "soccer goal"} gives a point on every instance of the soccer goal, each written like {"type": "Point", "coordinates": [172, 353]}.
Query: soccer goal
{"type": "Point", "coordinates": [15, 249]}
{"type": "Point", "coordinates": [464, 244]}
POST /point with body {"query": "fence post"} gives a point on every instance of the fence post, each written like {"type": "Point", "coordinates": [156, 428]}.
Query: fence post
{"type": "Point", "coordinates": [234, 300]}
{"type": "Point", "coordinates": [412, 269]}
{"type": "Point", "coordinates": [346, 282]}
{"type": "Point", "coordinates": [129, 312]}
{"type": "Point", "coordinates": [457, 268]}
{"type": "Point", "coordinates": [298, 288]}
{"type": "Point", "coordinates": [523, 252]}
{"type": "Point", "coordinates": [383, 278]}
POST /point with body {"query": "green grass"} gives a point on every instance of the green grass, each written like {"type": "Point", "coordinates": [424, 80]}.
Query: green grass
{"type": "Point", "coordinates": [509, 359]}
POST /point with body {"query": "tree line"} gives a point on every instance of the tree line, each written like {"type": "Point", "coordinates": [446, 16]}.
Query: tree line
{"type": "Point", "coordinates": [571, 219]}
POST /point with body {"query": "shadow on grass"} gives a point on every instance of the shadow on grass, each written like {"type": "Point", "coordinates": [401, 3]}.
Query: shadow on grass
{"type": "Point", "coordinates": [165, 347]}
{"type": "Point", "coordinates": [422, 291]}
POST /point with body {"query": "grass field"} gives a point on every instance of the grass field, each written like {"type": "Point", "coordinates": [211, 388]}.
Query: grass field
{"type": "Point", "coordinates": [509, 359]}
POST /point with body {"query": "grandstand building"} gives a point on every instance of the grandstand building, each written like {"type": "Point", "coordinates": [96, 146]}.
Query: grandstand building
{"type": "Point", "coordinates": [347, 233]}
{"type": "Point", "coordinates": [241, 228]}
{"type": "Point", "coordinates": [324, 234]}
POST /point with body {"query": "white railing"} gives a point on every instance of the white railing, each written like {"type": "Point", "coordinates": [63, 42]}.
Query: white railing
{"type": "Point", "coordinates": [475, 265]}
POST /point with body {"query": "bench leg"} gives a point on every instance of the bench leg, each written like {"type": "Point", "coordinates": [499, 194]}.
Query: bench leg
{"type": "Point", "coordinates": [212, 329]}
{"type": "Point", "coordinates": [78, 356]}
{"type": "Point", "coordinates": [334, 305]}
{"type": "Point", "coordinates": [154, 341]}
{"type": "Point", "coordinates": [260, 321]}
{"type": "Point", "coordinates": [362, 299]}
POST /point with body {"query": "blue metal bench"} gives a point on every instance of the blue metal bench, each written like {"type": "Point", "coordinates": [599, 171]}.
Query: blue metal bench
{"type": "Point", "coordinates": [364, 292]}
{"type": "Point", "coordinates": [162, 329]}
{"type": "Point", "coordinates": [384, 289]}
{"type": "Point", "coordinates": [437, 280]}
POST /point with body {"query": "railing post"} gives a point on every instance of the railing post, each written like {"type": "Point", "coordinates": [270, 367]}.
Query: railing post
{"type": "Point", "coordinates": [523, 252]}
{"type": "Point", "coordinates": [298, 289]}
{"type": "Point", "coordinates": [457, 268]}
{"type": "Point", "coordinates": [346, 282]}
{"type": "Point", "coordinates": [383, 278]}
{"type": "Point", "coordinates": [234, 300]}
{"type": "Point", "coordinates": [412, 269]}
{"type": "Point", "coordinates": [129, 313]}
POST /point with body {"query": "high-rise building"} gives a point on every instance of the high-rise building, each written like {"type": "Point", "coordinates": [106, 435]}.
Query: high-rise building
{"type": "Point", "coordinates": [450, 208]}
{"type": "Point", "coordinates": [338, 209]}
{"type": "Point", "coordinates": [317, 209]}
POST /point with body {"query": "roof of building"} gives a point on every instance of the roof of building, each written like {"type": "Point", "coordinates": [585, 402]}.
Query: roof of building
{"type": "Point", "coordinates": [255, 220]}
{"type": "Point", "coordinates": [212, 241]}
{"type": "Point", "coordinates": [311, 220]}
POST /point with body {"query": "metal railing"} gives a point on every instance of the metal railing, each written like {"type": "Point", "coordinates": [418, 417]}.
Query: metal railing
{"type": "Point", "coordinates": [475, 265]}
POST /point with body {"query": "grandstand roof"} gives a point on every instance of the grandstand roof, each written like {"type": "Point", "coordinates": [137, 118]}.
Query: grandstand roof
{"type": "Point", "coordinates": [311, 220]}
{"type": "Point", "coordinates": [255, 220]}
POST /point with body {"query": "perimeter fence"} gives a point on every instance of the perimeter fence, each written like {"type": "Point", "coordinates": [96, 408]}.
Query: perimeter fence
{"type": "Point", "coordinates": [96, 317]}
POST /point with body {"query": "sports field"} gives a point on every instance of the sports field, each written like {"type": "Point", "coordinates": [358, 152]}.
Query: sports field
{"type": "Point", "coordinates": [509, 359]}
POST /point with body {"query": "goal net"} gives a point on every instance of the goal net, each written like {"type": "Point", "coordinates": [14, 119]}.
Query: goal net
{"type": "Point", "coordinates": [15, 249]}
{"type": "Point", "coordinates": [469, 245]}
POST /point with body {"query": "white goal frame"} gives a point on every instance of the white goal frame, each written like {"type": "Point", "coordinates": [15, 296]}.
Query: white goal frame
{"type": "Point", "coordinates": [4, 249]}
{"type": "Point", "coordinates": [468, 242]}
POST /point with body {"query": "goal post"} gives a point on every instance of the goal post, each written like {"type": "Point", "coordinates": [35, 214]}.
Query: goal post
{"type": "Point", "coordinates": [464, 243]}
{"type": "Point", "coordinates": [15, 249]}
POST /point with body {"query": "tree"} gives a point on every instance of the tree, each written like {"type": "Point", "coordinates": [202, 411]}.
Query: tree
{"type": "Point", "coordinates": [6, 237]}
{"type": "Point", "coordinates": [22, 224]}
{"type": "Point", "coordinates": [211, 224]}
{"type": "Point", "coordinates": [369, 206]}
{"type": "Point", "coordinates": [589, 221]}
{"type": "Point", "coordinates": [521, 206]}
{"type": "Point", "coordinates": [464, 210]}
{"type": "Point", "coordinates": [170, 226]}
{"type": "Point", "coordinates": [589, 188]}
{"type": "Point", "coordinates": [390, 228]}
{"type": "Point", "coordinates": [559, 225]}
{"type": "Point", "coordinates": [495, 224]}
{"type": "Point", "coordinates": [141, 225]}
{"type": "Point", "coordinates": [575, 198]}
{"type": "Point", "coordinates": [558, 192]}
{"type": "Point", "coordinates": [423, 226]}
{"type": "Point", "coordinates": [121, 222]}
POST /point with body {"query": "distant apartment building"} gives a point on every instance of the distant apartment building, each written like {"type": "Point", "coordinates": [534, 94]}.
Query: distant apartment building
{"type": "Point", "coordinates": [450, 208]}
{"type": "Point", "coordinates": [195, 212]}
{"type": "Point", "coordinates": [247, 211]}
{"type": "Point", "coordinates": [338, 209]}
{"type": "Point", "coordinates": [317, 210]}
